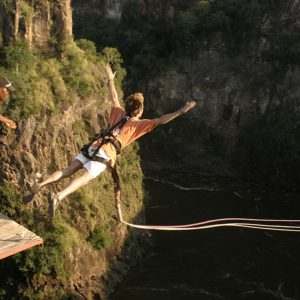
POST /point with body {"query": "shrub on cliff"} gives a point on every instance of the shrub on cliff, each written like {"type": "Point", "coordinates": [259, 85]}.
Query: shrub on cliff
{"type": "Point", "coordinates": [99, 238]}
{"type": "Point", "coordinates": [11, 204]}
{"type": "Point", "coordinates": [82, 229]}
{"type": "Point", "coordinates": [47, 82]}
{"type": "Point", "coordinates": [19, 57]}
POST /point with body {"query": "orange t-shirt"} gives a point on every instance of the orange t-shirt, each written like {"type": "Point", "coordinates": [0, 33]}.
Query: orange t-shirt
{"type": "Point", "coordinates": [132, 130]}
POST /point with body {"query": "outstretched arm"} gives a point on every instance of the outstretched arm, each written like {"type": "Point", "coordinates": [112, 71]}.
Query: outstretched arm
{"type": "Point", "coordinates": [169, 117]}
{"type": "Point", "coordinates": [113, 95]}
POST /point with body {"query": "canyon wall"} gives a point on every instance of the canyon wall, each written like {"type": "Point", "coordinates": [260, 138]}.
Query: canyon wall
{"type": "Point", "coordinates": [60, 100]}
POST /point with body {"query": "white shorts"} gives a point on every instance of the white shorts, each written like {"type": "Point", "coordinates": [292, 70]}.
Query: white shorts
{"type": "Point", "coordinates": [94, 168]}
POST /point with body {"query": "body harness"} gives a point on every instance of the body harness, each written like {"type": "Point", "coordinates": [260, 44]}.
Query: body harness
{"type": "Point", "coordinates": [108, 135]}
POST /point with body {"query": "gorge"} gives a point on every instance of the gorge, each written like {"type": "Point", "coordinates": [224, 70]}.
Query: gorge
{"type": "Point", "coordinates": [239, 58]}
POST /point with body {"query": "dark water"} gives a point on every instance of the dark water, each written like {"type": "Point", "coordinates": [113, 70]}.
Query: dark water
{"type": "Point", "coordinates": [222, 263]}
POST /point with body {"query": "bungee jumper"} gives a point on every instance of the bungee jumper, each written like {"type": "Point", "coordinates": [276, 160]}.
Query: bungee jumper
{"type": "Point", "coordinates": [5, 88]}
{"type": "Point", "coordinates": [100, 154]}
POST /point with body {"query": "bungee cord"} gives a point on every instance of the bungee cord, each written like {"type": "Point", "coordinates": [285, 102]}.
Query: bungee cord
{"type": "Point", "coordinates": [216, 223]}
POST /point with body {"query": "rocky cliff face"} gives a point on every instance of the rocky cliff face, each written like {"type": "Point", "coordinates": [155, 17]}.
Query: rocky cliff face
{"type": "Point", "coordinates": [93, 10]}
{"type": "Point", "coordinates": [248, 116]}
{"type": "Point", "coordinates": [41, 23]}
{"type": "Point", "coordinates": [61, 100]}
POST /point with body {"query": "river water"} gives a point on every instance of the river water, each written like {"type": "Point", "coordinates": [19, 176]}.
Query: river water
{"type": "Point", "coordinates": [223, 263]}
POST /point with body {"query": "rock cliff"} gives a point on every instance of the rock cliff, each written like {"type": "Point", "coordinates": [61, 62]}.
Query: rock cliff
{"type": "Point", "coordinates": [41, 23]}
{"type": "Point", "coordinates": [60, 100]}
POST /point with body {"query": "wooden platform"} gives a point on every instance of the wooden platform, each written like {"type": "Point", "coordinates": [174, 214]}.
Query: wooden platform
{"type": "Point", "coordinates": [15, 238]}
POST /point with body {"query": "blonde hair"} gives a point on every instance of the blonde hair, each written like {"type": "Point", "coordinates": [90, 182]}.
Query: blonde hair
{"type": "Point", "coordinates": [134, 103]}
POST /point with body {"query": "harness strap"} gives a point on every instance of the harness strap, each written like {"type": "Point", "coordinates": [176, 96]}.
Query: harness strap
{"type": "Point", "coordinates": [106, 136]}
{"type": "Point", "coordinates": [117, 144]}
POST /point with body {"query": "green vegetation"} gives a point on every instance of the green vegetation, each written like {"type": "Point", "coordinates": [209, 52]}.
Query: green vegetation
{"type": "Point", "coordinates": [26, 10]}
{"type": "Point", "coordinates": [47, 83]}
{"type": "Point", "coordinates": [11, 204]}
{"type": "Point", "coordinates": [19, 57]}
{"type": "Point", "coordinates": [7, 5]}
{"type": "Point", "coordinates": [148, 45]}
{"type": "Point", "coordinates": [99, 238]}
{"type": "Point", "coordinates": [60, 240]}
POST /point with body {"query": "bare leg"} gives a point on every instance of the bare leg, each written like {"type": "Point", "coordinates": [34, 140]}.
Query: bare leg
{"type": "Point", "coordinates": [70, 170]}
{"type": "Point", "coordinates": [75, 185]}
